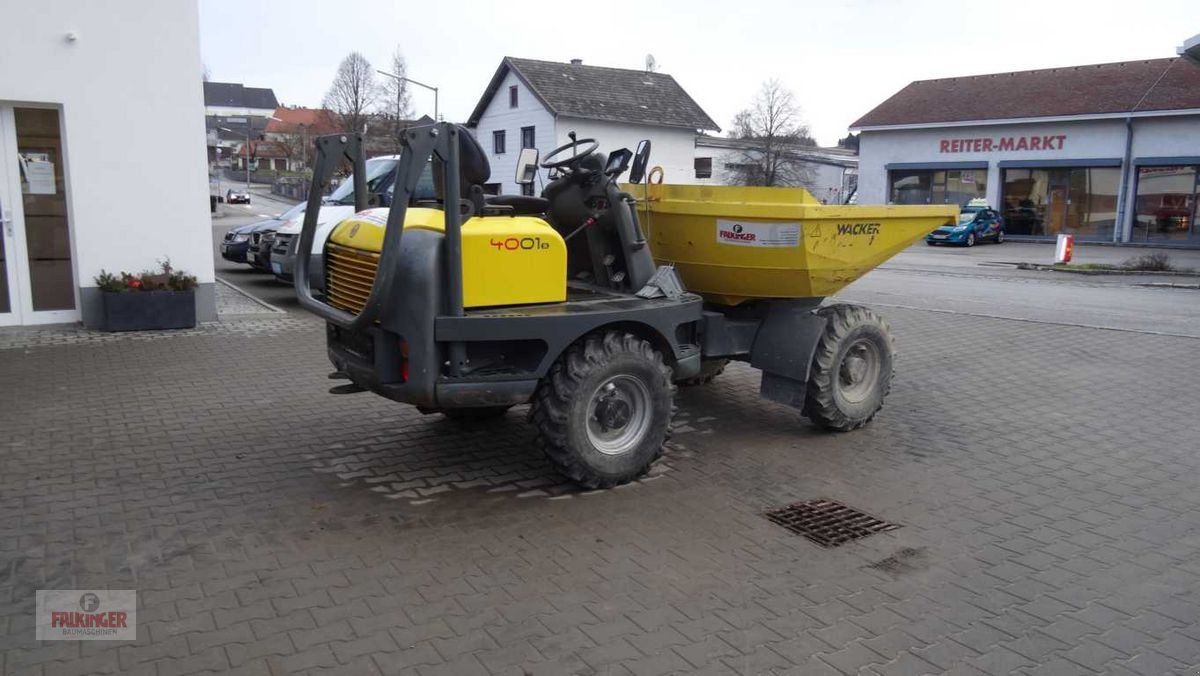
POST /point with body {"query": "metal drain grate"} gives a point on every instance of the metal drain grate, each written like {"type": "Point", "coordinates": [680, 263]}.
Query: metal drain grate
{"type": "Point", "coordinates": [828, 523]}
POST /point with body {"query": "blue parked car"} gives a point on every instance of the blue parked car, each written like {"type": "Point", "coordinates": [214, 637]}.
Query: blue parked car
{"type": "Point", "coordinates": [976, 223]}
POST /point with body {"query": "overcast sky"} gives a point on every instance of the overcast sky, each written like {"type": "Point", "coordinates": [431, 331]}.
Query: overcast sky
{"type": "Point", "coordinates": [840, 57]}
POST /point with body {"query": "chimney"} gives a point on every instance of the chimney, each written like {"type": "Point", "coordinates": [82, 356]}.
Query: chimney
{"type": "Point", "coordinates": [576, 62]}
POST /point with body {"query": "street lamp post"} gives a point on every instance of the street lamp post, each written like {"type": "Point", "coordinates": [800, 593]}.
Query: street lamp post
{"type": "Point", "coordinates": [247, 151]}
{"type": "Point", "coordinates": [419, 84]}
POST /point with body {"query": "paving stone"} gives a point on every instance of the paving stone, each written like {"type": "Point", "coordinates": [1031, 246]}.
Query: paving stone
{"type": "Point", "coordinates": [852, 658]}
{"type": "Point", "coordinates": [1056, 532]}
{"type": "Point", "coordinates": [905, 664]}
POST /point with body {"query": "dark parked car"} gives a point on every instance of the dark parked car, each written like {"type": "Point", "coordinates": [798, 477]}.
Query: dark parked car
{"type": "Point", "coordinates": [259, 253]}
{"type": "Point", "coordinates": [236, 245]}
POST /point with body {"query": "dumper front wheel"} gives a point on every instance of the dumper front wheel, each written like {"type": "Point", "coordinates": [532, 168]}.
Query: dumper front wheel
{"type": "Point", "coordinates": [851, 368]}
{"type": "Point", "coordinates": [604, 410]}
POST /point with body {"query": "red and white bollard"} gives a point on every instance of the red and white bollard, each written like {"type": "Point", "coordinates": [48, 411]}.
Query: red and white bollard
{"type": "Point", "coordinates": [1062, 252]}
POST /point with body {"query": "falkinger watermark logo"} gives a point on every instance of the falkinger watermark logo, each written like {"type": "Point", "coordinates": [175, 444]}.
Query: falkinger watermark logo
{"type": "Point", "coordinates": [86, 615]}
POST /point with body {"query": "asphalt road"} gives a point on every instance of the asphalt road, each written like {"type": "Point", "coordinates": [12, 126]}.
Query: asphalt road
{"type": "Point", "coordinates": [261, 285]}
{"type": "Point", "coordinates": [982, 281]}
{"type": "Point", "coordinates": [1119, 303]}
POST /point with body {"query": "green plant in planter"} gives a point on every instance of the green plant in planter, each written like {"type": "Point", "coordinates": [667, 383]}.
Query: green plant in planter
{"type": "Point", "coordinates": [152, 299]}
{"type": "Point", "coordinates": [166, 278]}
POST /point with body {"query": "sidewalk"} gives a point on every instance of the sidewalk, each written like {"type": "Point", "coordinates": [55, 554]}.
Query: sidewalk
{"type": "Point", "coordinates": [1043, 253]}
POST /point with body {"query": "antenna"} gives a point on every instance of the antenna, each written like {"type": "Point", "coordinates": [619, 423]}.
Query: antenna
{"type": "Point", "coordinates": [651, 64]}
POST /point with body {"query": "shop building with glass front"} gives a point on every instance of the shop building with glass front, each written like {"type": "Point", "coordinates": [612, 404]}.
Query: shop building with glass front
{"type": "Point", "coordinates": [1107, 152]}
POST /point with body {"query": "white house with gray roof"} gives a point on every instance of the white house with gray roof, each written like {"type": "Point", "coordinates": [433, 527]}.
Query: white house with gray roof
{"type": "Point", "coordinates": [530, 103]}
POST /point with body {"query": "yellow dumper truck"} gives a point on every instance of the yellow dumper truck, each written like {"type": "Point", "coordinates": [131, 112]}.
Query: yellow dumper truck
{"type": "Point", "coordinates": [591, 301]}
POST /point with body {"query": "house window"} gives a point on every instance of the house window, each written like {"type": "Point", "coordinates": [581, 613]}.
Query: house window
{"type": "Point", "coordinates": [703, 167]}
{"type": "Point", "coordinates": [528, 140]}
{"type": "Point", "coordinates": [498, 142]}
{"type": "Point", "coordinates": [527, 189]}
{"type": "Point", "coordinates": [512, 96]}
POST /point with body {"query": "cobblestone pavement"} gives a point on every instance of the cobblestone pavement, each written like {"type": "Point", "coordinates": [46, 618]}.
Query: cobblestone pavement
{"type": "Point", "coordinates": [1045, 477]}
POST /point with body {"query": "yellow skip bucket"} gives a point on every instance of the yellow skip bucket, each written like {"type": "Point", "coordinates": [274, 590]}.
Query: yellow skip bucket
{"type": "Point", "coordinates": [732, 244]}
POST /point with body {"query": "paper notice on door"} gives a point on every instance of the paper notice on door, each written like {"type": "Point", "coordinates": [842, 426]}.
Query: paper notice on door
{"type": "Point", "coordinates": [39, 177]}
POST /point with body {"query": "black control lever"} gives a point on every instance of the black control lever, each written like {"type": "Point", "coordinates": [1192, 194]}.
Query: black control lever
{"type": "Point", "coordinates": [591, 220]}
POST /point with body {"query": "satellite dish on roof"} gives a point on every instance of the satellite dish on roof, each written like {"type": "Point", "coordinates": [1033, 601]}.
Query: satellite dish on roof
{"type": "Point", "coordinates": [651, 64]}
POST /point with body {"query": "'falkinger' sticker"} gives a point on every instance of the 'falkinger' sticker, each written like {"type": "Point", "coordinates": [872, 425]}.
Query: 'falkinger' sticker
{"type": "Point", "coordinates": [776, 235]}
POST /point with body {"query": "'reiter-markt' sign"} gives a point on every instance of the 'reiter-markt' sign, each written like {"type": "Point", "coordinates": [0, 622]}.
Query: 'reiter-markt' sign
{"type": "Point", "coordinates": [1002, 144]}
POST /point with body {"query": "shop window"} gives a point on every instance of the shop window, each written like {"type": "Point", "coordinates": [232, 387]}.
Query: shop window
{"type": "Point", "coordinates": [1167, 203]}
{"type": "Point", "coordinates": [936, 186]}
{"type": "Point", "coordinates": [703, 167]}
{"type": "Point", "coordinates": [1046, 202]}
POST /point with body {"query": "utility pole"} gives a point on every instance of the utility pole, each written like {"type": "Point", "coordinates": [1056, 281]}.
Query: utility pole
{"type": "Point", "coordinates": [248, 127]}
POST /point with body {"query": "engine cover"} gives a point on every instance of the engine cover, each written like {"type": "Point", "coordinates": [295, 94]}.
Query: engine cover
{"type": "Point", "coordinates": [507, 260]}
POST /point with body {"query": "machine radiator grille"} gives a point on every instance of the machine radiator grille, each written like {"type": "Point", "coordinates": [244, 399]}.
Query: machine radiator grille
{"type": "Point", "coordinates": [349, 274]}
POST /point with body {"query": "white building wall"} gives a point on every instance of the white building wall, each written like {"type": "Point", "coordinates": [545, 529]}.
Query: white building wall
{"type": "Point", "coordinates": [106, 78]}
{"type": "Point", "coordinates": [1166, 136]}
{"type": "Point", "coordinates": [670, 148]}
{"type": "Point", "coordinates": [498, 115]}
{"type": "Point", "coordinates": [1153, 137]}
{"type": "Point", "coordinates": [877, 149]}
{"type": "Point", "coordinates": [229, 111]}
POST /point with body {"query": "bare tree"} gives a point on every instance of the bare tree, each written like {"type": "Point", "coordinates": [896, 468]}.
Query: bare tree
{"type": "Point", "coordinates": [773, 134]}
{"type": "Point", "coordinates": [205, 72]}
{"type": "Point", "coordinates": [395, 101]}
{"type": "Point", "coordinates": [292, 145]}
{"type": "Point", "coordinates": [353, 93]}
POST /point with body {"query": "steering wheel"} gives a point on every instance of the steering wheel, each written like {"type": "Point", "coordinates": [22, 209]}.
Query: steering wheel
{"type": "Point", "coordinates": [580, 148]}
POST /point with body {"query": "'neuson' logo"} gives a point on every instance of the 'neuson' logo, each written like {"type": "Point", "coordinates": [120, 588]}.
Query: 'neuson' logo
{"type": "Point", "coordinates": [736, 233]}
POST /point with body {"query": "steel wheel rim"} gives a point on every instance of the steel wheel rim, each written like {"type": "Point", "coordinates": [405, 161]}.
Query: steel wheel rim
{"type": "Point", "coordinates": [618, 414]}
{"type": "Point", "coordinates": [858, 374]}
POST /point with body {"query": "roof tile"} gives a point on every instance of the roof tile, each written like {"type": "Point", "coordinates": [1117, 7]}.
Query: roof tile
{"type": "Point", "coordinates": [1129, 86]}
{"type": "Point", "coordinates": [600, 93]}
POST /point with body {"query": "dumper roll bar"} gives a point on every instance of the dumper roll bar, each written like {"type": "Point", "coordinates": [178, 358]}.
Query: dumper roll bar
{"type": "Point", "coordinates": [419, 146]}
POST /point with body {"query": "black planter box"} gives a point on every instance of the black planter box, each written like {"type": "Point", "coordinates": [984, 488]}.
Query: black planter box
{"type": "Point", "coordinates": [148, 310]}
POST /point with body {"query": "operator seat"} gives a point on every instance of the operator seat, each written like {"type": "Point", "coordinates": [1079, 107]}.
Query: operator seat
{"type": "Point", "coordinates": [473, 169]}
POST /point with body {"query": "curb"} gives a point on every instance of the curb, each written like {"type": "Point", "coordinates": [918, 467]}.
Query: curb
{"type": "Point", "coordinates": [1078, 271]}
{"type": "Point", "coordinates": [271, 309]}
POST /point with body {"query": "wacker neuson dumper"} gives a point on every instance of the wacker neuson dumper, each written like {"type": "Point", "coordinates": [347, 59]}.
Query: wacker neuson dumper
{"type": "Point", "coordinates": [590, 304]}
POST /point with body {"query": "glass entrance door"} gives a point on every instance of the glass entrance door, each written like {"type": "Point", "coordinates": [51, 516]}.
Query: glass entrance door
{"type": "Point", "coordinates": [10, 289]}
{"type": "Point", "coordinates": [39, 279]}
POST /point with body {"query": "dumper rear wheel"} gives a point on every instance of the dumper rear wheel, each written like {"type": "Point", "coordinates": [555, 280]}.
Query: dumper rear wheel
{"type": "Point", "coordinates": [604, 410]}
{"type": "Point", "coordinates": [851, 368]}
